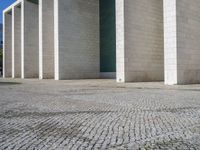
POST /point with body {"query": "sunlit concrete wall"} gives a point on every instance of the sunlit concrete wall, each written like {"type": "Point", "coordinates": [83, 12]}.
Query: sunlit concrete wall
{"type": "Point", "coordinates": [46, 39]}
{"type": "Point", "coordinates": [30, 39]}
{"type": "Point", "coordinates": [64, 42]}
{"type": "Point", "coordinates": [7, 44]}
{"type": "Point", "coordinates": [140, 51]}
{"type": "Point", "coordinates": [182, 46]}
{"type": "Point", "coordinates": [16, 41]}
{"type": "Point", "coordinates": [76, 39]}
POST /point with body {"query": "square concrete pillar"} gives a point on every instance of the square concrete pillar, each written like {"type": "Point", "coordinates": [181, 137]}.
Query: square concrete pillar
{"type": "Point", "coordinates": [170, 41]}
{"type": "Point", "coordinates": [30, 39]}
{"type": "Point", "coordinates": [76, 39]}
{"type": "Point", "coordinates": [182, 46]}
{"type": "Point", "coordinates": [7, 43]}
{"type": "Point", "coordinates": [16, 72]}
{"type": "Point", "coordinates": [139, 37]}
{"type": "Point", "coordinates": [46, 39]}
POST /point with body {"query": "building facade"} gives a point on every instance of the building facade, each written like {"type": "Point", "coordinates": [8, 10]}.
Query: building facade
{"type": "Point", "coordinates": [130, 40]}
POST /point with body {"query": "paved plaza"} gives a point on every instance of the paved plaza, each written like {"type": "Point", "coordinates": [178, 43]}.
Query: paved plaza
{"type": "Point", "coordinates": [98, 114]}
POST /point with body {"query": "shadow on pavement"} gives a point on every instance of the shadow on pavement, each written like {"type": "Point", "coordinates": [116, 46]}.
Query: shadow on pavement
{"type": "Point", "coordinates": [9, 83]}
{"type": "Point", "coordinates": [13, 114]}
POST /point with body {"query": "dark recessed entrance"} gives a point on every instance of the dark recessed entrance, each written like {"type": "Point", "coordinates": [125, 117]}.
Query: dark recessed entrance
{"type": "Point", "coordinates": [107, 38]}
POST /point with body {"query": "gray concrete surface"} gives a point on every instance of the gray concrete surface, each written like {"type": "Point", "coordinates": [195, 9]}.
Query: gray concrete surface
{"type": "Point", "coordinates": [181, 41]}
{"type": "Point", "coordinates": [77, 50]}
{"type": "Point", "coordinates": [98, 114]}
{"type": "Point", "coordinates": [140, 51]}
{"type": "Point", "coordinates": [30, 42]}
{"type": "Point", "coordinates": [46, 39]}
{"type": "Point", "coordinates": [16, 67]}
{"type": "Point", "coordinates": [7, 49]}
{"type": "Point", "coordinates": [188, 35]}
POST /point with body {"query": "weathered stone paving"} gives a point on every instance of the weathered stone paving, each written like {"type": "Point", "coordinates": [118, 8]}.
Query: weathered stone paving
{"type": "Point", "coordinates": [97, 114]}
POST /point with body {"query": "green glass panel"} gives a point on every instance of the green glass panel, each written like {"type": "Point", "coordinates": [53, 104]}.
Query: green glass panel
{"type": "Point", "coordinates": [107, 36]}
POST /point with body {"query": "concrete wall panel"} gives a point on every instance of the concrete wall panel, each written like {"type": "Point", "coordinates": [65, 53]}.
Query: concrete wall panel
{"type": "Point", "coordinates": [46, 38]}
{"type": "Point", "coordinates": [143, 40]}
{"type": "Point", "coordinates": [16, 42]}
{"type": "Point", "coordinates": [77, 39]}
{"type": "Point", "coordinates": [7, 45]}
{"type": "Point", "coordinates": [182, 48]}
{"type": "Point", "coordinates": [188, 45]}
{"type": "Point", "coordinates": [30, 40]}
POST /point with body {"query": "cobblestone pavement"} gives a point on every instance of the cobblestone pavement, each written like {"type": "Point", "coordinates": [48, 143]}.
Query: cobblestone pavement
{"type": "Point", "coordinates": [97, 114]}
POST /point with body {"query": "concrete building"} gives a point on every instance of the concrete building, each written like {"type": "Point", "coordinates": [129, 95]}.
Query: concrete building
{"type": "Point", "coordinates": [130, 40]}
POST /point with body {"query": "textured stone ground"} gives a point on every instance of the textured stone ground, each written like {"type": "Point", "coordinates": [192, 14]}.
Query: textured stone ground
{"type": "Point", "coordinates": [98, 114]}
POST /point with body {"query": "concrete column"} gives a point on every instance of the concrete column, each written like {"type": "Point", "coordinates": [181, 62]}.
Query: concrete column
{"type": "Point", "coordinates": [170, 41]}
{"type": "Point", "coordinates": [182, 46]}
{"type": "Point", "coordinates": [140, 52]}
{"type": "Point", "coordinates": [46, 39]}
{"type": "Point", "coordinates": [30, 39]}
{"type": "Point", "coordinates": [7, 44]}
{"type": "Point", "coordinates": [76, 39]}
{"type": "Point", "coordinates": [120, 41]}
{"type": "Point", "coordinates": [16, 41]}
